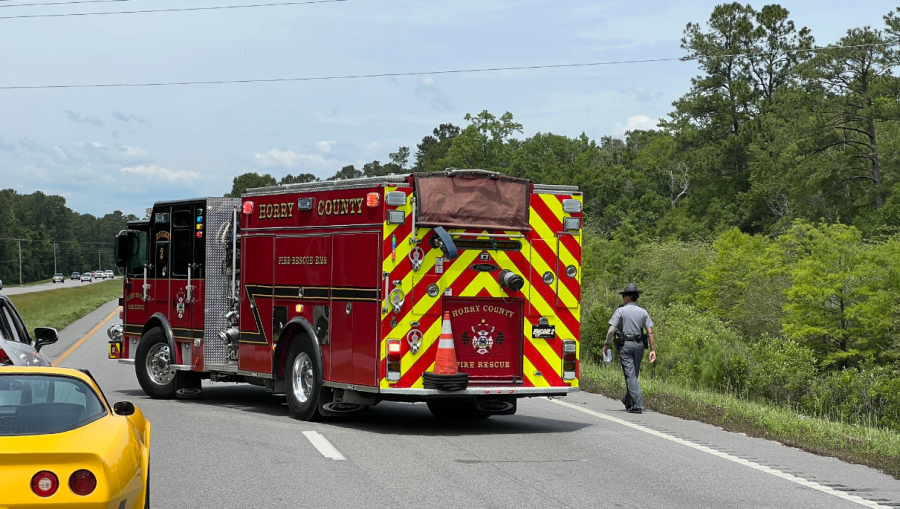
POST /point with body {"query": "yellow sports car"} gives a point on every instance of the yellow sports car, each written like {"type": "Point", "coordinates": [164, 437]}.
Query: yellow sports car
{"type": "Point", "coordinates": [62, 445]}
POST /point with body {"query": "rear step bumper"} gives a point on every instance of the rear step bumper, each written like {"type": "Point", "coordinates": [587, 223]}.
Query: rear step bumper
{"type": "Point", "coordinates": [486, 391]}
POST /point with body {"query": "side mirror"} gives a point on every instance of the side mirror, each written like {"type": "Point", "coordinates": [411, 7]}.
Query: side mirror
{"type": "Point", "coordinates": [122, 248]}
{"type": "Point", "coordinates": [442, 240]}
{"type": "Point", "coordinates": [124, 408]}
{"type": "Point", "coordinates": [45, 336]}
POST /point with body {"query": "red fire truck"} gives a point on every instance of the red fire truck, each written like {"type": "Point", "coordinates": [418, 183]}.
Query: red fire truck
{"type": "Point", "coordinates": [334, 293]}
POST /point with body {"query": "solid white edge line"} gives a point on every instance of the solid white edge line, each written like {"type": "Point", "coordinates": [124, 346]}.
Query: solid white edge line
{"type": "Point", "coordinates": [756, 466]}
{"type": "Point", "coordinates": [323, 445]}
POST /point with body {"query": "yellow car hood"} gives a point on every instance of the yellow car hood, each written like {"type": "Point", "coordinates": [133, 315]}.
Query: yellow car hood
{"type": "Point", "coordinates": [114, 448]}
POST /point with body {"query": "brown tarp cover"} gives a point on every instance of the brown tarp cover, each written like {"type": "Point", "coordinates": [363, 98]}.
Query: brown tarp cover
{"type": "Point", "coordinates": [472, 200]}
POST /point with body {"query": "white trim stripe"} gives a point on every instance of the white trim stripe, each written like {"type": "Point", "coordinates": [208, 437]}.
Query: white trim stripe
{"type": "Point", "coordinates": [756, 466]}
{"type": "Point", "coordinates": [445, 343]}
{"type": "Point", "coordinates": [323, 445]}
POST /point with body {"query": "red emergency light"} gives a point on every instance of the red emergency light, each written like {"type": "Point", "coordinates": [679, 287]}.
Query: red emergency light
{"type": "Point", "coordinates": [372, 199]}
{"type": "Point", "coordinates": [248, 207]}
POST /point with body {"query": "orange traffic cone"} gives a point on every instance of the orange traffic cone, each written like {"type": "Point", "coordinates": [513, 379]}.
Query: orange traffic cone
{"type": "Point", "coordinates": [445, 360]}
{"type": "Point", "coordinates": [445, 376]}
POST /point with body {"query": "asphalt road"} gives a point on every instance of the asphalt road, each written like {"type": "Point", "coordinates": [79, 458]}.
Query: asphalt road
{"type": "Point", "coordinates": [16, 290]}
{"type": "Point", "coordinates": [237, 447]}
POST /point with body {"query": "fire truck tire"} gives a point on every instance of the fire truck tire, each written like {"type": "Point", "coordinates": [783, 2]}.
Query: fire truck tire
{"type": "Point", "coordinates": [455, 409]}
{"type": "Point", "coordinates": [304, 390]}
{"type": "Point", "coordinates": [150, 365]}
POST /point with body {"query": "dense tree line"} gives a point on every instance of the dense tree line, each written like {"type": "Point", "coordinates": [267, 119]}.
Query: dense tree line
{"type": "Point", "coordinates": [41, 220]}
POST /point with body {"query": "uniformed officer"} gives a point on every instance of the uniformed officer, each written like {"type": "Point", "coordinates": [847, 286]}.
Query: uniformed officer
{"type": "Point", "coordinates": [632, 319]}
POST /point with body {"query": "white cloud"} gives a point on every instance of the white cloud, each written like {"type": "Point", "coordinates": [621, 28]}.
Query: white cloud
{"type": "Point", "coordinates": [325, 146]}
{"type": "Point", "coordinates": [290, 159]}
{"type": "Point", "coordinates": [637, 122]}
{"type": "Point", "coordinates": [158, 172]}
{"type": "Point", "coordinates": [129, 151]}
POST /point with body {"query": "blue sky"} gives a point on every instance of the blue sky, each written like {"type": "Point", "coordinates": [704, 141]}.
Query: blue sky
{"type": "Point", "coordinates": [123, 149]}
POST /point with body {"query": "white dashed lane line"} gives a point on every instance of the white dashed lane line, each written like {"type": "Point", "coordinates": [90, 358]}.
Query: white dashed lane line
{"type": "Point", "coordinates": [724, 455]}
{"type": "Point", "coordinates": [323, 445]}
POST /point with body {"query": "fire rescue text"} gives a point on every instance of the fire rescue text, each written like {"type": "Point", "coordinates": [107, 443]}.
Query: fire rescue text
{"type": "Point", "coordinates": [340, 207]}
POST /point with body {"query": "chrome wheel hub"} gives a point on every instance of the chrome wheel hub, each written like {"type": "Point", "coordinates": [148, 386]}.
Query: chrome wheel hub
{"type": "Point", "coordinates": [159, 365]}
{"type": "Point", "coordinates": [302, 381]}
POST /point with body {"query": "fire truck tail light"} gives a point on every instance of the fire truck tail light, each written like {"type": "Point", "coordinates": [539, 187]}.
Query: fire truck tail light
{"type": "Point", "coordinates": [395, 198]}
{"type": "Point", "coordinates": [298, 308]}
{"type": "Point", "coordinates": [570, 355]}
{"type": "Point", "coordinates": [571, 206]}
{"type": "Point", "coordinates": [393, 360]}
{"type": "Point", "coordinates": [572, 224]}
{"type": "Point", "coordinates": [372, 199]}
{"type": "Point", "coordinates": [248, 207]}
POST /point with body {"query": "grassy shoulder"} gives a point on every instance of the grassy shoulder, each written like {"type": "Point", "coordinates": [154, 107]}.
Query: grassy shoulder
{"type": "Point", "coordinates": [872, 447]}
{"type": "Point", "coordinates": [59, 308]}
{"type": "Point", "coordinates": [32, 283]}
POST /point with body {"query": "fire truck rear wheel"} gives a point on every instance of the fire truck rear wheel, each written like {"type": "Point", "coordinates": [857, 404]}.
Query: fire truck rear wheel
{"type": "Point", "coordinates": [302, 380]}
{"type": "Point", "coordinates": [152, 364]}
{"type": "Point", "coordinates": [455, 409]}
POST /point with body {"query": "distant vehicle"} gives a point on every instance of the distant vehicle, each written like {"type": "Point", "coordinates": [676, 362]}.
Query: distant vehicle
{"type": "Point", "coordinates": [59, 278]}
{"type": "Point", "coordinates": [63, 444]}
{"type": "Point", "coordinates": [98, 274]}
{"type": "Point", "coordinates": [86, 277]}
{"type": "Point", "coordinates": [17, 347]}
{"type": "Point", "coordinates": [109, 275]}
{"type": "Point", "coordinates": [76, 276]}
{"type": "Point", "coordinates": [1, 284]}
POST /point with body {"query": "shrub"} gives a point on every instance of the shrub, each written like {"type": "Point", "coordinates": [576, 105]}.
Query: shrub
{"type": "Point", "coordinates": [782, 371]}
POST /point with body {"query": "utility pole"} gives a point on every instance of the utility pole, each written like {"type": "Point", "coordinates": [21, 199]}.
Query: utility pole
{"type": "Point", "coordinates": [98, 260]}
{"type": "Point", "coordinates": [20, 261]}
{"type": "Point", "coordinates": [54, 258]}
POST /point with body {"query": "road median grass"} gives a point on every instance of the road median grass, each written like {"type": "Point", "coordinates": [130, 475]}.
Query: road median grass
{"type": "Point", "coordinates": [873, 447]}
{"type": "Point", "coordinates": [61, 307]}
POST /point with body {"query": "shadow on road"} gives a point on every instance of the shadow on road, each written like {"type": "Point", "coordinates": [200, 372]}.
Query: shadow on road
{"type": "Point", "coordinates": [387, 418]}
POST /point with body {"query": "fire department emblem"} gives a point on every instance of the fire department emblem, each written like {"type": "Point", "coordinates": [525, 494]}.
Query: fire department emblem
{"type": "Point", "coordinates": [482, 340]}
{"type": "Point", "coordinates": [179, 303]}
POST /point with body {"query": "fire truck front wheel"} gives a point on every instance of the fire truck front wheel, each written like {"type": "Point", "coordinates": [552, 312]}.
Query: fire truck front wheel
{"type": "Point", "coordinates": [153, 365]}
{"type": "Point", "coordinates": [302, 380]}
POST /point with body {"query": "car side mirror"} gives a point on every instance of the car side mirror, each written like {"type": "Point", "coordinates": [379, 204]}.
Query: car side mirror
{"type": "Point", "coordinates": [124, 408]}
{"type": "Point", "coordinates": [45, 336]}
{"type": "Point", "coordinates": [122, 248]}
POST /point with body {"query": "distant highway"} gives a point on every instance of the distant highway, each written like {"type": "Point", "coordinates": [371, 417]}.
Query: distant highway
{"type": "Point", "coordinates": [10, 290]}
{"type": "Point", "coordinates": [238, 447]}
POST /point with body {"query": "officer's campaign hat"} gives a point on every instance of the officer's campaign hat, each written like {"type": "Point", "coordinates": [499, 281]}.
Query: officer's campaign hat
{"type": "Point", "coordinates": [630, 288]}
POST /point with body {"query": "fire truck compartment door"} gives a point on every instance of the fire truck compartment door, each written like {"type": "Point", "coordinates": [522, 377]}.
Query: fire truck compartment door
{"type": "Point", "coordinates": [487, 334]}
{"type": "Point", "coordinates": [355, 304]}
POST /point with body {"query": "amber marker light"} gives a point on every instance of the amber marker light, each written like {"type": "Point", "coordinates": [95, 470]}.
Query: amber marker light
{"type": "Point", "coordinates": [372, 199]}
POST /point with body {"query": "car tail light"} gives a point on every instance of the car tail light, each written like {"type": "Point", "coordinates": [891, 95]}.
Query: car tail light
{"type": "Point", "coordinates": [570, 358]}
{"type": "Point", "coordinates": [4, 359]}
{"type": "Point", "coordinates": [44, 483]}
{"type": "Point", "coordinates": [82, 482]}
{"type": "Point", "coordinates": [393, 360]}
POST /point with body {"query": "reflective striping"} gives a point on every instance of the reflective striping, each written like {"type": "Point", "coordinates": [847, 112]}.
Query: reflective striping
{"type": "Point", "coordinates": [445, 343]}
{"type": "Point", "coordinates": [747, 463]}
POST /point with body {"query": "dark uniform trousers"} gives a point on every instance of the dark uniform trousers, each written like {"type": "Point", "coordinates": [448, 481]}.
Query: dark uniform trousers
{"type": "Point", "coordinates": [630, 355]}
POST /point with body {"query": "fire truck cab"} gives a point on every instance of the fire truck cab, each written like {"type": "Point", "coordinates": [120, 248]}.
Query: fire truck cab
{"type": "Point", "coordinates": [335, 293]}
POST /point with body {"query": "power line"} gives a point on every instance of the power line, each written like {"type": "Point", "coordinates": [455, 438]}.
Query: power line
{"type": "Point", "coordinates": [72, 2]}
{"type": "Point", "coordinates": [420, 73]}
{"type": "Point", "coordinates": [174, 9]}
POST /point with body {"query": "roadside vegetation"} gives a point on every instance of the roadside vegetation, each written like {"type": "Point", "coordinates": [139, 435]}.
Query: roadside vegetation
{"type": "Point", "coordinates": [60, 308]}
{"type": "Point", "coordinates": [854, 443]}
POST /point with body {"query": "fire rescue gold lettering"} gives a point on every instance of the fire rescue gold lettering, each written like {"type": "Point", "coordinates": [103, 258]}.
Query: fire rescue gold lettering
{"type": "Point", "coordinates": [276, 211]}
{"type": "Point", "coordinates": [302, 260]}
{"type": "Point", "coordinates": [481, 365]}
{"type": "Point", "coordinates": [340, 207]}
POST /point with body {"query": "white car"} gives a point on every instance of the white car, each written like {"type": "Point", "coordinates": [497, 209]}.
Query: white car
{"type": "Point", "coordinates": [86, 276]}
{"type": "Point", "coordinates": [59, 278]}
{"type": "Point", "coordinates": [109, 275]}
{"type": "Point", "coordinates": [98, 274]}
{"type": "Point", "coordinates": [17, 347]}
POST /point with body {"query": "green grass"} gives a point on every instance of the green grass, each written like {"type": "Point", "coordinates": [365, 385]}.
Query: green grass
{"type": "Point", "coordinates": [59, 308]}
{"type": "Point", "coordinates": [868, 446]}
{"type": "Point", "coordinates": [31, 283]}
